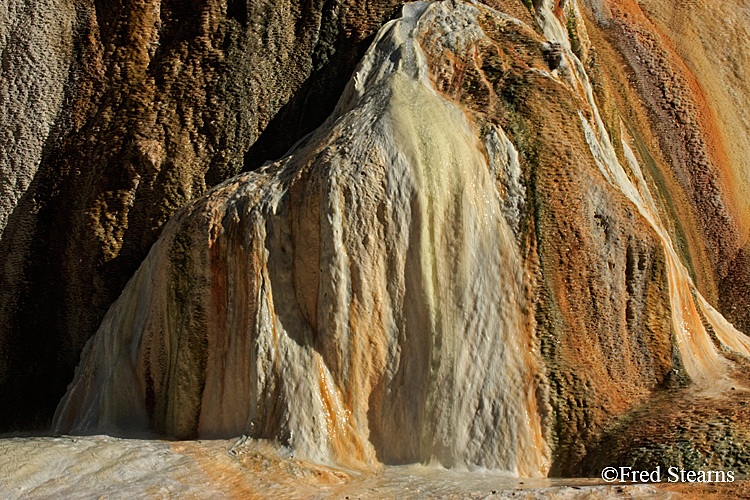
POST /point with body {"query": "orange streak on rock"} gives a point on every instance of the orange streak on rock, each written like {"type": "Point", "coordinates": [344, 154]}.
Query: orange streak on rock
{"type": "Point", "coordinates": [224, 473]}
{"type": "Point", "coordinates": [342, 430]}
{"type": "Point", "coordinates": [708, 124]}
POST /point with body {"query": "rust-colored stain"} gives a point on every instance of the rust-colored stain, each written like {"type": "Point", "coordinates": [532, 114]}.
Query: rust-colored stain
{"type": "Point", "coordinates": [342, 430]}
{"type": "Point", "coordinates": [222, 472]}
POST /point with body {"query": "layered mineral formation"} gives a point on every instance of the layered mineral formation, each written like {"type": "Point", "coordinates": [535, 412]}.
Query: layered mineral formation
{"type": "Point", "coordinates": [480, 260]}
{"type": "Point", "coordinates": [518, 242]}
{"type": "Point", "coordinates": [114, 114]}
{"type": "Point", "coordinates": [363, 299]}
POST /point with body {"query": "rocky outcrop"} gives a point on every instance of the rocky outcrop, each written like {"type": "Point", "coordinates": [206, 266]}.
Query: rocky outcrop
{"type": "Point", "coordinates": [361, 300]}
{"type": "Point", "coordinates": [37, 45]}
{"type": "Point", "coordinates": [41, 75]}
{"type": "Point", "coordinates": [500, 250]}
{"type": "Point", "coordinates": [116, 114]}
{"type": "Point", "coordinates": [462, 265]}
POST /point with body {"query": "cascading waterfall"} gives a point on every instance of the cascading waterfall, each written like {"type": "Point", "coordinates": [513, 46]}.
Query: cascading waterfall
{"type": "Point", "coordinates": [362, 300]}
{"type": "Point", "coordinates": [701, 360]}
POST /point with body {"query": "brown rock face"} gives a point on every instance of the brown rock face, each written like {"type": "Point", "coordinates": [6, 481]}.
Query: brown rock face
{"type": "Point", "coordinates": [597, 268]}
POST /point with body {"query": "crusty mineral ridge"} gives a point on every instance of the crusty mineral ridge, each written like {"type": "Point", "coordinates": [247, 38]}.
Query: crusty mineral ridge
{"type": "Point", "coordinates": [718, 67]}
{"type": "Point", "coordinates": [362, 299]}
{"type": "Point", "coordinates": [467, 264]}
{"type": "Point", "coordinates": [114, 114]}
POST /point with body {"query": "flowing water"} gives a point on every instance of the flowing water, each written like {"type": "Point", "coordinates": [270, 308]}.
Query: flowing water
{"type": "Point", "coordinates": [96, 467]}
{"type": "Point", "coordinates": [413, 343]}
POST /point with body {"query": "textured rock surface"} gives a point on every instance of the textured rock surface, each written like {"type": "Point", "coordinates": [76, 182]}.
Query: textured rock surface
{"type": "Point", "coordinates": [36, 40]}
{"type": "Point", "coordinates": [342, 294]}
{"type": "Point", "coordinates": [38, 56]}
{"type": "Point", "coordinates": [233, 469]}
{"type": "Point", "coordinates": [114, 115]}
{"type": "Point", "coordinates": [689, 68]}
{"type": "Point", "coordinates": [459, 266]}
{"type": "Point", "coordinates": [362, 299]}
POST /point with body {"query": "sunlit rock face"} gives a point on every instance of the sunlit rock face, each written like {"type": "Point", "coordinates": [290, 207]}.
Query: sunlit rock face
{"type": "Point", "coordinates": [363, 298]}
{"type": "Point", "coordinates": [674, 71]}
{"type": "Point", "coordinates": [468, 264]}
{"type": "Point", "coordinates": [114, 114]}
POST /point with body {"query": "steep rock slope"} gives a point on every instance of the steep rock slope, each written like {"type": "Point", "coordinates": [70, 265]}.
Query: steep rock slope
{"type": "Point", "coordinates": [688, 67]}
{"type": "Point", "coordinates": [462, 265]}
{"type": "Point", "coordinates": [114, 114]}
{"type": "Point", "coordinates": [362, 299]}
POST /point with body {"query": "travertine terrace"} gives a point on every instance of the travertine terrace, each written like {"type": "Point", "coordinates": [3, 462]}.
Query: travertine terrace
{"type": "Point", "coordinates": [514, 239]}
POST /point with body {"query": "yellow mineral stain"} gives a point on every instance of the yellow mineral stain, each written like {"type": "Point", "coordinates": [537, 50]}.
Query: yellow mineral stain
{"type": "Point", "coordinates": [342, 431]}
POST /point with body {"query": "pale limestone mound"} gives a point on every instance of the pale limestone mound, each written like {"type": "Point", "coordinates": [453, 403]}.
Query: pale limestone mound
{"type": "Point", "coordinates": [361, 299]}
{"type": "Point", "coordinates": [368, 298]}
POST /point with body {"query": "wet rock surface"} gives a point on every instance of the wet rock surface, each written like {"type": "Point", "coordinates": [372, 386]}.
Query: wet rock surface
{"type": "Point", "coordinates": [588, 280]}
{"type": "Point", "coordinates": [243, 469]}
